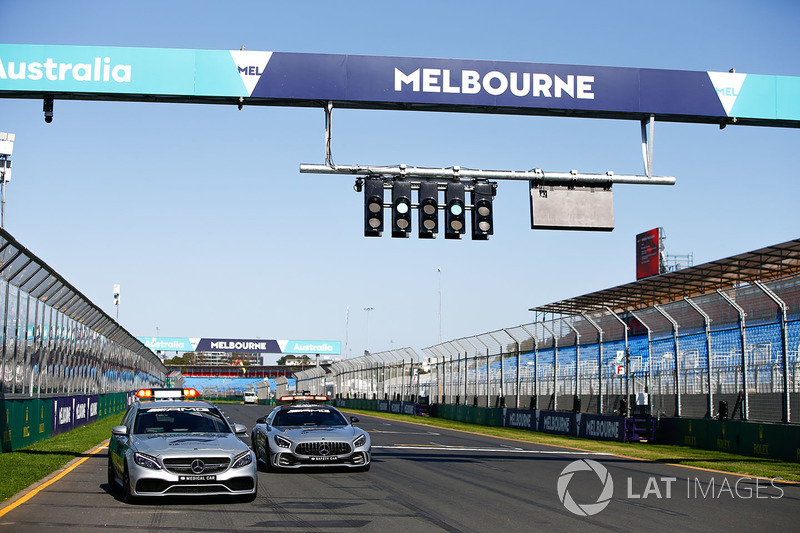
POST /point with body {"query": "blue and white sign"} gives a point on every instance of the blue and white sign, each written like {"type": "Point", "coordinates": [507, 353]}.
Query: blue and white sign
{"type": "Point", "coordinates": [168, 344]}
{"type": "Point", "coordinates": [311, 347]}
{"type": "Point", "coordinates": [375, 82]}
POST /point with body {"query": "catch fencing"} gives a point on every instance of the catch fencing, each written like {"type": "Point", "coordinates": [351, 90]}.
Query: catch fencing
{"type": "Point", "coordinates": [725, 354]}
{"type": "Point", "coordinates": [55, 342]}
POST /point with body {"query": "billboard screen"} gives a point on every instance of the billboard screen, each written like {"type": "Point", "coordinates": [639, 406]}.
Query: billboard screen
{"type": "Point", "coordinates": [648, 253]}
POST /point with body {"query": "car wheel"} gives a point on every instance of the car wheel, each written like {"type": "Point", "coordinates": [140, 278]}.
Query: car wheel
{"type": "Point", "coordinates": [252, 497]}
{"type": "Point", "coordinates": [259, 464]}
{"type": "Point", "coordinates": [270, 467]}
{"type": "Point", "coordinates": [112, 482]}
{"type": "Point", "coordinates": [127, 497]}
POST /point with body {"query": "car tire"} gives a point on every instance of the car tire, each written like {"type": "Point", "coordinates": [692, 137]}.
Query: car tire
{"type": "Point", "coordinates": [112, 482]}
{"type": "Point", "coordinates": [252, 497]}
{"type": "Point", "coordinates": [127, 496]}
{"type": "Point", "coordinates": [268, 463]}
{"type": "Point", "coordinates": [259, 463]}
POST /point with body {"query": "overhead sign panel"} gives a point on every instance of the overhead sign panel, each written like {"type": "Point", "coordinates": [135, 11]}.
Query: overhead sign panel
{"type": "Point", "coordinates": [390, 82]}
{"type": "Point", "coordinates": [186, 344]}
{"type": "Point", "coordinates": [572, 208]}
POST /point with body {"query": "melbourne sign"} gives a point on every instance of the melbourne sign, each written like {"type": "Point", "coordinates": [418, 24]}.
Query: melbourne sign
{"type": "Point", "coordinates": [376, 82]}
{"type": "Point", "coordinates": [186, 344]}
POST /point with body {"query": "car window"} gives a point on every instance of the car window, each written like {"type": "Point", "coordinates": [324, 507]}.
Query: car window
{"type": "Point", "coordinates": [180, 420]}
{"type": "Point", "coordinates": [309, 417]}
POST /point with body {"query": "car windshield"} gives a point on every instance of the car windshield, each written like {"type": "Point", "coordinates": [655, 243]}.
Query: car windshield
{"type": "Point", "coordinates": [304, 416]}
{"type": "Point", "coordinates": [179, 420]}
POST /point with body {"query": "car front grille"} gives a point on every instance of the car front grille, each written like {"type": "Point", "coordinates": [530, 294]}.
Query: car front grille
{"type": "Point", "coordinates": [183, 465]}
{"type": "Point", "coordinates": [323, 448]}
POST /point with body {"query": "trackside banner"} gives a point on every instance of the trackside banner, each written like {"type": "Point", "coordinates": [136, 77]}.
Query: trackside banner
{"type": "Point", "coordinates": [32, 71]}
{"type": "Point", "coordinates": [584, 425]}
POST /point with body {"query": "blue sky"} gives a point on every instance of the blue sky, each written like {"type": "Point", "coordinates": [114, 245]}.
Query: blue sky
{"type": "Point", "coordinates": [199, 212]}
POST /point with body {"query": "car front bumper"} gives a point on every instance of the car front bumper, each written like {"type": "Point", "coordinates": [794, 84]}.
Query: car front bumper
{"type": "Point", "coordinates": [146, 482]}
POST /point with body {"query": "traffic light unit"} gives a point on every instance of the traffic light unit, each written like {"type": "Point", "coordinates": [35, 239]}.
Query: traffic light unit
{"type": "Point", "coordinates": [455, 216]}
{"type": "Point", "coordinates": [373, 207]}
{"type": "Point", "coordinates": [482, 211]}
{"type": "Point", "coordinates": [428, 210]}
{"type": "Point", "coordinates": [455, 207]}
{"type": "Point", "coordinates": [401, 208]}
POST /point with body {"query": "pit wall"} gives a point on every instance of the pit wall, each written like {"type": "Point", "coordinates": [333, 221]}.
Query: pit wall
{"type": "Point", "coordinates": [757, 439]}
{"type": "Point", "coordinates": [26, 421]}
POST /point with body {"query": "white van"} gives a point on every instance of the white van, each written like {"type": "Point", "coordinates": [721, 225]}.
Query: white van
{"type": "Point", "coordinates": [250, 397]}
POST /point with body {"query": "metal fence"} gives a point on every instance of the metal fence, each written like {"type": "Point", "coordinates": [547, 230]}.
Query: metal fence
{"type": "Point", "coordinates": [55, 341]}
{"type": "Point", "coordinates": [734, 350]}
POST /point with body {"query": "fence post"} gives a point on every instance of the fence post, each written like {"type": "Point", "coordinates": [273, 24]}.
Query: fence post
{"type": "Point", "coordinates": [677, 359]}
{"type": "Point", "coordinates": [555, 366]}
{"type": "Point", "coordinates": [502, 372]}
{"type": "Point", "coordinates": [707, 325]}
{"type": "Point", "coordinates": [577, 356]}
{"type": "Point", "coordinates": [627, 356]}
{"type": "Point", "coordinates": [784, 348]}
{"type": "Point", "coordinates": [743, 337]}
{"type": "Point", "coordinates": [518, 376]}
{"type": "Point", "coordinates": [535, 367]}
{"type": "Point", "coordinates": [599, 361]}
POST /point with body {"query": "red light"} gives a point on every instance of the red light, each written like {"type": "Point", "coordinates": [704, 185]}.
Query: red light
{"type": "Point", "coordinates": [144, 393]}
{"type": "Point", "coordinates": [190, 393]}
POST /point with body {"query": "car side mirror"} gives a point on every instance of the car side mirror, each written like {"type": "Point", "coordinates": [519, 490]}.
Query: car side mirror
{"type": "Point", "coordinates": [261, 420]}
{"type": "Point", "coordinates": [239, 429]}
{"type": "Point", "coordinates": [119, 431]}
{"type": "Point", "coordinates": [353, 419]}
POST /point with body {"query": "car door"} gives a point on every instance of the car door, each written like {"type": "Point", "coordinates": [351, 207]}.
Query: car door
{"type": "Point", "coordinates": [118, 445]}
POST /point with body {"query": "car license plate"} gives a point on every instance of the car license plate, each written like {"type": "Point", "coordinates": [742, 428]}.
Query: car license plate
{"type": "Point", "coordinates": [325, 458]}
{"type": "Point", "coordinates": [197, 478]}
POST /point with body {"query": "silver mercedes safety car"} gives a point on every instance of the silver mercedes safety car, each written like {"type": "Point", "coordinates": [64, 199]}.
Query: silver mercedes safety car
{"type": "Point", "coordinates": [306, 434]}
{"type": "Point", "coordinates": [172, 446]}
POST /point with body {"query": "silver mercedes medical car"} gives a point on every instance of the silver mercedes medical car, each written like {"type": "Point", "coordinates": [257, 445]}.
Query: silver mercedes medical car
{"type": "Point", "coordinates": [305, 434]}
{"type": "Point", "coordinates": [171, 446]}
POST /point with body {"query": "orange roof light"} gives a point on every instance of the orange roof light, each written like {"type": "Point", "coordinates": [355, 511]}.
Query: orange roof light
{"type": "Point", "coordinates": [167, 394]}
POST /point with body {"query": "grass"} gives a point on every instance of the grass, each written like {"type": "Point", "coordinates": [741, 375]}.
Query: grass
{"type": "Point", "coordinates": [22, 468]}
{"type": "Point", "coordinates": [661, 453]}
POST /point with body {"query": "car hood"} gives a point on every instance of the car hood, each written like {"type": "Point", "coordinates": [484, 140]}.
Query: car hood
{"type": "Point", "coordinates": [170, 443]}
{"type": "Point", "coordinates": [300, 434]}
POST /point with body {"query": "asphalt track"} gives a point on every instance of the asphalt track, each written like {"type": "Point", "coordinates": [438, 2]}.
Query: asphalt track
{"type": "Point", "coordinates": [424, 479]}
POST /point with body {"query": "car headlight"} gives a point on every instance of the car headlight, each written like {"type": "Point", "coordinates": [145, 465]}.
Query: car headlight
{"type": "Point", "coordinates": [146, 461]}
{"type": "Point", "coordinates": [282, 442]}
{"type": "Point", "coordinates": [360, 441]}
{"type": "Point", "coordinates": [243, 459]}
